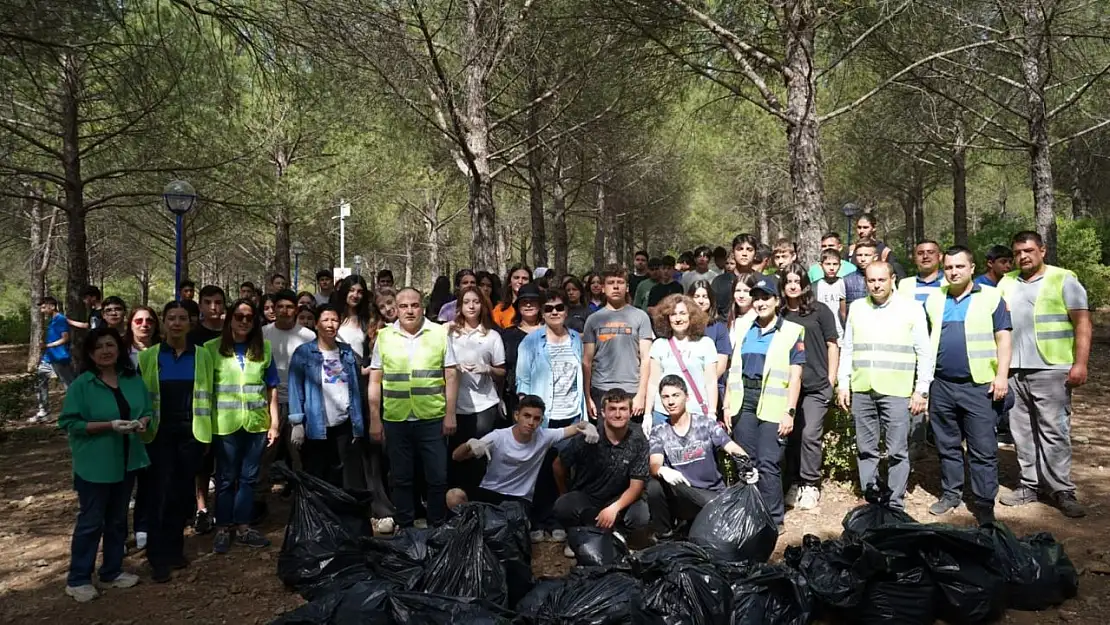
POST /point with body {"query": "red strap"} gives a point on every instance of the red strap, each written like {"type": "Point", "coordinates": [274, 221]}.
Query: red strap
{"type": "Point", "coordinates": [689, 378]}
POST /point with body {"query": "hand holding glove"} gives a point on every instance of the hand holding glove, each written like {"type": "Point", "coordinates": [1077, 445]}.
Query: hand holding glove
{"type": "Point", "coordinates": [479, 448]}
{"type": "Point", "coordinates": [477, 368]}
{"type": "Point", "coordinates": [751, 477]}
{"type": "Point", "coordinates": [589, 431]}
{"type": "Point", "coordinates": [673, 477]}
{"type": "Point", "coordinates": [296, 436]}
{"type": "Point", "coordinates": [123, 426]}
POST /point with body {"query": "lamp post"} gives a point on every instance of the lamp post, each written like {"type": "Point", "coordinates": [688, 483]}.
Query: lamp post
{"type": "Point", "coordinates": [850, 210]}
{"type": "Point", "coordinates": [179, 197]}
{"type": "Point", "coordinates": [297, 248]}
{"type": "Point", "coordinates": [344, 213]}
{"type": "Point", "coordinates": [358, 265]}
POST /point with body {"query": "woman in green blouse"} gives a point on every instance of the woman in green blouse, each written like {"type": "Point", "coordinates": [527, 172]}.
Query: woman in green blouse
{"type": "Point", "coordinates": [105, 410]}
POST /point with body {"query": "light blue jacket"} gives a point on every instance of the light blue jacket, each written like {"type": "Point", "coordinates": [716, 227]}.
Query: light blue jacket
{"type": "Point", "coordinates": [306, 398]}
{"type": "Point", "coordinates": [534, 375]}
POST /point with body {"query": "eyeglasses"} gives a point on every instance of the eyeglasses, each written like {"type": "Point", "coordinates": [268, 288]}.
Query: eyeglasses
{"type": "Point", "coordinates": [243, 318]}
{"type": "Point", "coordinates": [554, 308]}
{"type": "Point", "coordinates": [113, 309]}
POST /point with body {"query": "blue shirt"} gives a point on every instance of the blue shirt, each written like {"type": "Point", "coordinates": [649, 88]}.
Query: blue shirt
{"type": "Point", "coordinates": [985, 280]}
{"type": "Point", "coordinates": [753, 350]}
{"type": "Point", "coordinates": [855, 287]}
{"type": "Point", "coordinates": [176, 375]}
{"type": "Point", "coordinates": [270, 379]}
{"type": "Point", "coordinates": [54, 330]}
{"type": "Point", "coordinates": [952, 354]}
{"type": "Point", "coordinates": [925, 288]}
{"type": "Point", "coordinates": [718, 331]}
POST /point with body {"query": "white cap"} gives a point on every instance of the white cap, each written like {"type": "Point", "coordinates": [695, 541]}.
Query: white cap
{"type": "Point", "coordinates": [540, 272]}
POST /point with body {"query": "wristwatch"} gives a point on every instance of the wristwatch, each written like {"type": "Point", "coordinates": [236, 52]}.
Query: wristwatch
{"type": "Point", "coordinates": [924, 395]}
{"type": "Point", "coordinates": [790, 412]}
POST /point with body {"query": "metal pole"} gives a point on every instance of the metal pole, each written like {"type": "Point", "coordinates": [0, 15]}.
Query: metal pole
{"type": "Point", "coordinates": [177, 269]}
{"type": "Point", "coordinates": [342, 241]}
{"type": "Point", "coordinates": [296, 271]}
{"type": "Point", "coordinates": [849, 230]}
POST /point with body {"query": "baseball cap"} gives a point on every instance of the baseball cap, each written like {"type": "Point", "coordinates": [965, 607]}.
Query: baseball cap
{"type": "Point", "coordinates": [529, 291]}
{"type": "Point", "coordinates": [768, 285]}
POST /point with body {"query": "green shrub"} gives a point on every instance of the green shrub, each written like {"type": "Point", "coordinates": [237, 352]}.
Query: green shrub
{"type": "Point", "coordinates": [1080, 250]}
{"type": "Point", "coordinates": [840, 446]}
{"type": "Point", "coordinates": [15, 328]}
{"type": "Point", "coordinates": [14, 394]}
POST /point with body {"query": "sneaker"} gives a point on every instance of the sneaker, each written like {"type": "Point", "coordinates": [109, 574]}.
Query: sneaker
{"type": "Point", "coordinates": [123, 580]}
{"type": "Point", "coordinates": [202, 522]}
{"type": "Point", "coordinates": [140, 540]}
{"type": "Point", "coordinates": [384, 525]}
{"type": "Point", "coordinates": [944, 505]}
{"type": "Point", "coordinates": [793, 494]}
{"type": "Point", "coordinates": [160, 574]}
{"type": "Point", "coordinates": [1019, 497]}
{"type": "Point", "coordinates": [1005, 438]}
{"type": "Point", "coordinates": [1065, 501]}
{"type": "Point", "coordinates": [536, 536]}
{"type": "Point", "coordinates": [568, 552]}
{"type": "Point", "coordinates": [252, 538]}
{"type": "Point", "coordinates": [558, 536]}
{"type": "Point", "coordinates": [82, 594]}
{"type": "Point", "coordinates": [984, 515]}
{"type": "Point", "coordinates": [261, 510]}
{"type": "Point", "coordinates": [808, 498]}
{"type": "Point", "coordinates": [39, 417]}
{"type": "Point", "coordinates": [420, 524]}
{"type": "Point", "coordinates": [222, 542]}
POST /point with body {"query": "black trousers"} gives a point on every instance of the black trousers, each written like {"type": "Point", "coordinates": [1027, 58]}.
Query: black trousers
{"type": "Point", "coordinates": [964, 411]}
{"type": "Point", "coordinates": [175, 458]}
{"type": "Point", "coordinates": [334, 459]}
{"type": "Point", "coordinates": [495, 498]}
{"type": "Point", "coordinates": [468, 474]}
{"type": "Point", "coordinates": [667, 503]}
{"type": "Point", "coordinates": [578, 509]}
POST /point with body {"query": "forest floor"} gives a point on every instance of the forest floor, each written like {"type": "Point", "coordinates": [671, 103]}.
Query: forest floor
{"type": "Point", "coordinates": [38, 507]}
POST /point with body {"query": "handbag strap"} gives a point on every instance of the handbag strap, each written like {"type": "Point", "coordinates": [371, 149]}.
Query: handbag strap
{"type": "Point", "coordinates": [686, 374]}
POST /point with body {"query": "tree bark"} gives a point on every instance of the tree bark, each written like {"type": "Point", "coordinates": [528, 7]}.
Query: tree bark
{"type": "Point", "coordinates": [918, 206]}
{"type": "Point", "coordinates": [1035, 71]}
{"type": "Point", "coordinates": [535, 178]}
{"type": "Point", "coordinates": [909, 214]}
{"type": "Point", "coordinates": [802, 128]}
{"type": "Point", "coordinates": [763, 213]}
{"type": "Point", "coordinates": [1080, 197]}
{"type": "Point", "coordinates": [599, 231]}
{"type": "Point", "coordinates": [483, 215]}
{"type": "Point", "coordinates": [74, 187]}
{"type": "Point", "coordinates": [41, 237]}
{"type": "Point", "coordinates": [559, 219]}
{"type": "Point", "coordinates": [281, 243]}
{"type": "Point", "coordinates": [959, 195]}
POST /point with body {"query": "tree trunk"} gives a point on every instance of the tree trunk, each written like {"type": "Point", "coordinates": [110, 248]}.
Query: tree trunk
{"type": "Point", "coordinates": [959, 195]}
{"type": "Point", "coordinates": [918, 207]}
{"type": "Point", "coordinates": [802, 129]}
{"type": "Point", "coordinates": [559, 220]}
{"type": "Point", "coordinates": [281, 243]}
{"type": "Point", "coordinates": [763, 214]}
{"type": "Point", "coordinates": [599, 238]}
{"type": "Point", "coordinates": [535, 177]}
{"type": "Point", "coordinates": [408, 262]}
{"type": "Point", "coordinates": [483, 215]}
{"type": "Point", "coordinates": [74, 187]}
{"type": "Point", "coordinates": [1035, 70]}
{"type": "Point", "coordinates": [909, 214]}
{"type": "Point", "coordinates": [1080, 197]}
{"type": "Point", "coordinates": [42, 235]}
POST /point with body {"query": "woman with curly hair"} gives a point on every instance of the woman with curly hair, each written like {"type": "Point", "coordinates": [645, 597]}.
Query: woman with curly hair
{"type": "Point", "coordinates": [681, 348]}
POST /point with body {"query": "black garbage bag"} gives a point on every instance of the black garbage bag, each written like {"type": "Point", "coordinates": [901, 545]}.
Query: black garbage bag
{"type": "Point", "coordinates": [658, 559]}
{"type": "Point", "coordinates": [401, 558]}
{"type": "Point", "coordinates": [902, 595]}
{"type": "Point", "coordinates": [970, 586]}
{"type": "Point", "coordinates": [836, 571]}
{"type": "Point", "coordinates": [321, 546]}
{"type": "Point", "coordinates": [585, 597]}
{"type": "Point", "coordinates": [362, 602]}
{"type": "Point", "coordinates": [736, 526]}
{"type": "Point", "coordinates": [417, 608]}
{"type": "Point", "coordinates": [875, 513]}
{"type": "Point", "coordinates": [466, 566]}
{"type": "Point", "coordinates": [505, 530]}
{"type": "Point", "coordinates": [690, 593]}
{"type": "Point", "coordinates": [768, 594]}
{"type": "Point", "coordinates": [1038, 573]}
{"type": "Point", "coordinates": [594, 546]}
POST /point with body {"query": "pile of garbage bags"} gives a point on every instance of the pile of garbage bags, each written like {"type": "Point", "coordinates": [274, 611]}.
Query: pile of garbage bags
{"type": "Point", "coordinates": [476, 568]}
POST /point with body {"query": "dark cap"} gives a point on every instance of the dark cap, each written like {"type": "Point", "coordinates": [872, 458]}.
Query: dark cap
{"type": "Point", "coordinates": [768, 285]}
{"type": "Point", "coordinates": [529, 291]}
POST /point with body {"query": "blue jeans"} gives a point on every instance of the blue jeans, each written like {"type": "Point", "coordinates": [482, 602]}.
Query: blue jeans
{"type": "Point", "coordinates": [761, 440]}
{"type": "Point", "coordinates": [404, 442]}
{"type": "Point", "coordinates": [238, 456]}
{"type": "Point", "coordinates": [102, 513]}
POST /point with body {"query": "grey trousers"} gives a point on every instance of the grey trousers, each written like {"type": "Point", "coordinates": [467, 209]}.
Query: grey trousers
{"type": "Point", "coordinates": [872, 412]}
{"type": "Point", "coordinates": [1040, 423]}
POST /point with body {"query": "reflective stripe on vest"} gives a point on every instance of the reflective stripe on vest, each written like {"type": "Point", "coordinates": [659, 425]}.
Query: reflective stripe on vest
{"type": "Point", "coordinates": [202, 399]}
{"type": "Point", "coordinates": [982, 352]}
{"type": "Point", "coordinates": [413, 385]}
{"type": "Point", "coordinates": [240, 392]}
{"type": "Point", "coordinates": [1051, 323]}
{"type": "Point", "coordinates": [883, 357]}
{"type": "Point", "coordinates": [775, 391]}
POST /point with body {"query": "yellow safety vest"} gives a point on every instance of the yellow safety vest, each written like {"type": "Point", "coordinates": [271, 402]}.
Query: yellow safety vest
{"type": "Point", "coordinates": [883, 357]}
{"type": "Point", "coordinates": [413, 385]}
{"type": "Point", "coordinates": [907, 287]}
{"type": "Point", "coordinates": [982, 351]}
{"type": "Point", "coordinates": [240, 391]}
{"type": "Point", "coordinates": [1051, 323]}
{"type": "Point", "coordinates": [202, 390]}
{"type": "Point", "coordinates": [773, 396]}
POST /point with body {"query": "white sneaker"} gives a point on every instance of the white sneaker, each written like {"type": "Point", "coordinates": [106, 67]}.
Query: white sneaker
{"type": "Point", "coordinates": [82, 594]}
{"type": "Point", "coordinates": [384, 525]}
{"type": "Point", "coordinates": [793, 494]}
{"type": "Point", "coordinates": [568, 552]}
{"type": "Point", "coordinates": [420, 524]}
{"type": "Point", "coordinates": [140, 540]}
{"type": "Point", "coordinates": [536, 536]}
{"type": "Point", "coordinates": [39, 417]}
{"type": "Point", "coordinates": [125, 580]}
{"type": "Point", "coordinates": [558, 536]}
{"type": "Point", "coordinates": [808, 498]}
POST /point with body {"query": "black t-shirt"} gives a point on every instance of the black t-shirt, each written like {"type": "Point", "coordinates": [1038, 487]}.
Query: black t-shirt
{"type": "Point", "coordinates": [603, 470]}
{"type": "Point", "coordinates": [201, 335]}
{"type": "Point", "coordinates": [820, 326]}
{"type": "Point", "coordinates": [722, 287]}
{"type": "Point", "coordinates": [659, 291]}
{"type": "Point", "coordinates": [634, 281]}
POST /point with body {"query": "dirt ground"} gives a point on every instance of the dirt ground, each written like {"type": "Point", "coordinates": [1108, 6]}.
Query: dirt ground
{"type": "Point", "coordinates": [38, 508]}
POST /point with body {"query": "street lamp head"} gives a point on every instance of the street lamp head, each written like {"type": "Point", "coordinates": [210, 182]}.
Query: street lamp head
{"type": "Point", "coordinates": [297, 248]}
{"type": "Point", "coordinates": [850, 210]}
{"type": "Point", "coordinates": [179, 196]}
{"type": "Point", "coordinates": [358, 259]}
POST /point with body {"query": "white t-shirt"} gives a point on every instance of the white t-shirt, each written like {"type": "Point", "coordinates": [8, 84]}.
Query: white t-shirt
{"type": "Point", "coordinates": [335, 387]}
{"type": "Point", "coordinates": [831, 295]}
{"type": "Point", "coordinates": [693, 276]}
{"type": "Point", "coordinates": [514, 466]}
{"type": "Point", "coordinates": [321, 299]}
{"type": "Point", "coordinates": [351, 333]}
{"type": "Point", "coordinates": [477, 392]}
{"type": "Point", "coordinates": [697, 355]}
{"type": "Point", "coordinates": [282, 345]}
{"type": "Point", "coordinates": [564, 378]}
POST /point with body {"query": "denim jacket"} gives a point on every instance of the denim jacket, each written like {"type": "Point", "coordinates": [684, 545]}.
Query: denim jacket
{"type": "Point", "coordinates": [306, 399]}
{"type": "Point", "coordinates": [533, 370]}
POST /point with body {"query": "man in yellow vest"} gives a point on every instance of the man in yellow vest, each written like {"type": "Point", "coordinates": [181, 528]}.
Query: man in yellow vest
{"type": "Point", "coordinates": [929, 277]}
{"type": "Point", "coordinates": [886, 341]}
{"type": "Point", "coordinates": [1051, 344]}
{"type": "Point", "coordinates": [413, 386]}
{"type": "Point", "coordinates": [971, 339]}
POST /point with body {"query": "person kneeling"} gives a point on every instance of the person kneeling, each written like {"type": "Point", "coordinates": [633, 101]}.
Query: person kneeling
{"type": "Point", "coordinates": [514, 454]}
{"type": "Point", "coordinates": [683, 460]}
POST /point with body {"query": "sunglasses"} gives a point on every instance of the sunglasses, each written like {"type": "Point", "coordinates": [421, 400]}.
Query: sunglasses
{"type": "Point", "coordinates": [143, 322]}
{"type": "Point", "coordinates": [554, 308]}
{"type": "Point", "coordinates": [243, 318]}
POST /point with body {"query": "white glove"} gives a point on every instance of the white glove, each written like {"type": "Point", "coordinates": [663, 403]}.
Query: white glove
{"type": "Point", "coordinates": [479, 448]}
{"type": "Point", "coordinates": [478, 368]}
{"type": "Point", "coordinates": [673, 477]}
{"type": "Point", "coordinates": [123, 426]}
{"type": "Point", "coordinates": [751, 478]}
{"type": "Point", "coordinates": [589, 431]}
{"type": "Point", "coordinates": [296, 436]}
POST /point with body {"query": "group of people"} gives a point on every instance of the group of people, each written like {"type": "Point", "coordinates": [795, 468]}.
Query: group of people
{"type": "Point", "coordinates": [605, 401]}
